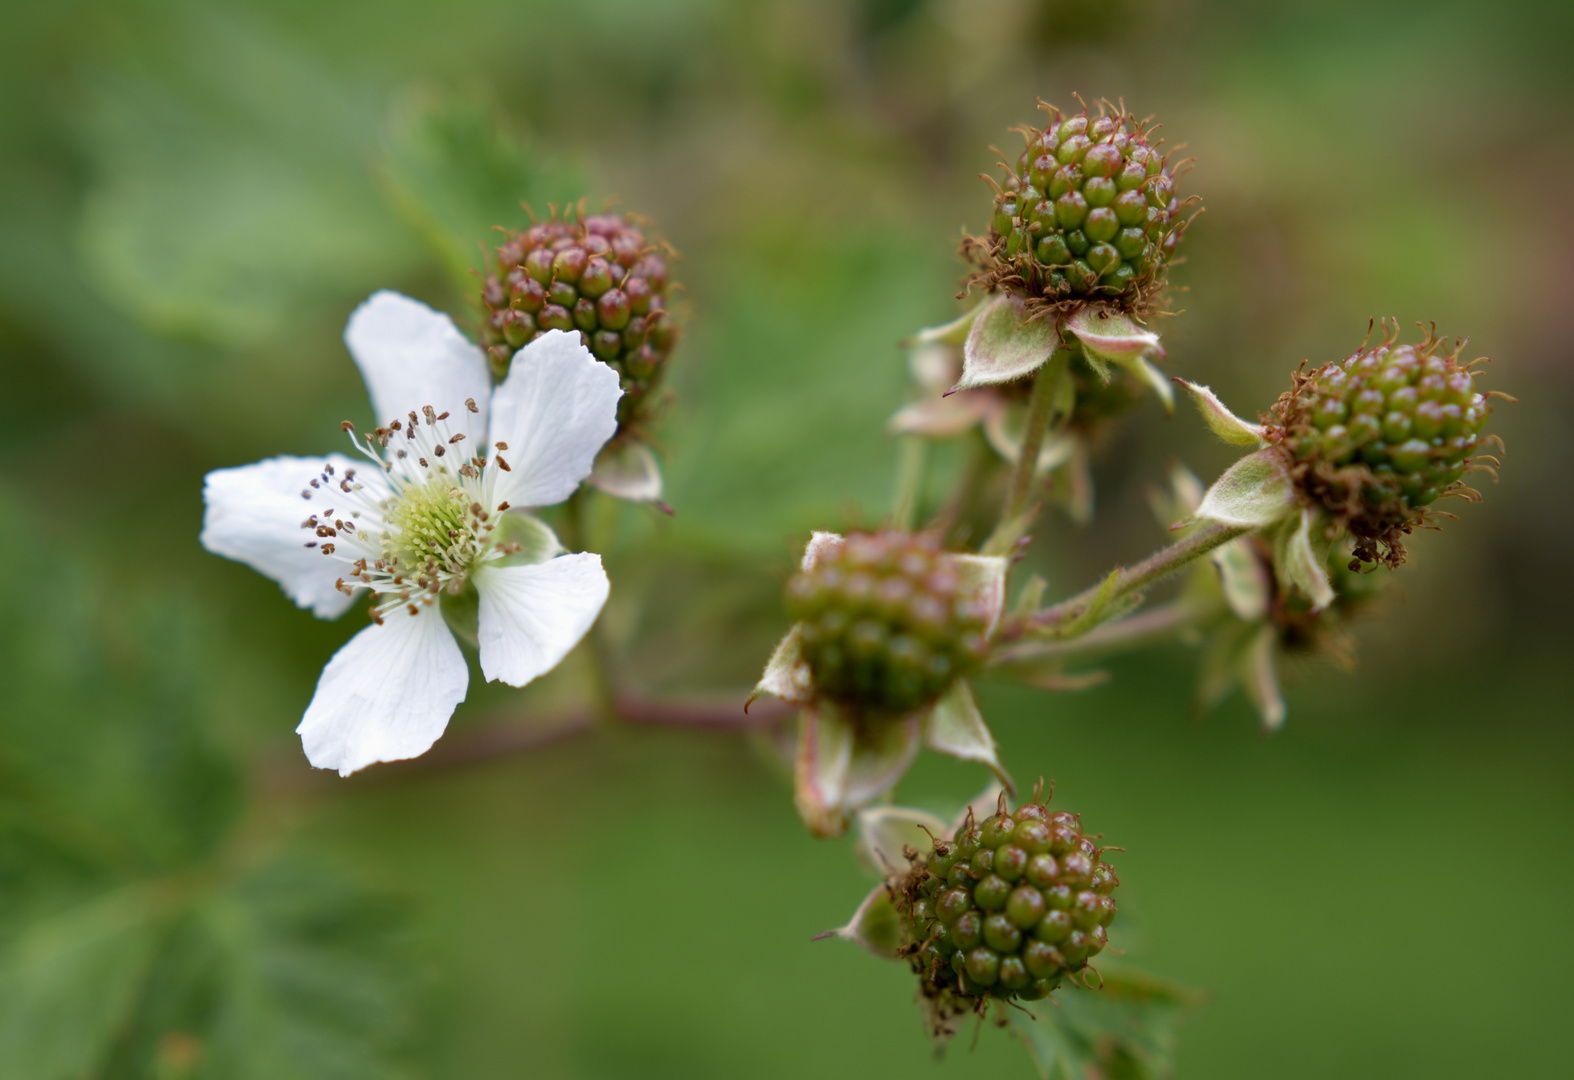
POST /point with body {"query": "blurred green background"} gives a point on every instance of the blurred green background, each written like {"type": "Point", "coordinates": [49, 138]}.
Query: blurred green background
{"type": "Point", "coordinates": [193, 198]}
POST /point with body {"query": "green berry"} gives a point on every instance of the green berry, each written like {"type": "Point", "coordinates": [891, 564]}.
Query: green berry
{"type": "Point", "coordinates": [1089, 214]}
{"type": "Point", "coordinates": [886, 625]}
{"type": "Point", "coordinates": [987, 938]}
{"type": "Point", "coordinates": [597, 274]}
{"type": "Point", "coordinates": [1377, 438]}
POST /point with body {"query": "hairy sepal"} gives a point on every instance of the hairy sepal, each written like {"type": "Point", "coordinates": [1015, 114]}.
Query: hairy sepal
{"type": "Point", "coordinates": [1254, 493]}
{"type": "Point", "coordinates": [956, 728]}
{"type": "Point", "coordinates": [1004, 344]}
{"type": "Point", "coordinates": [1300, 555]}
{"type": "Point", "coordinates": [1225, 424]}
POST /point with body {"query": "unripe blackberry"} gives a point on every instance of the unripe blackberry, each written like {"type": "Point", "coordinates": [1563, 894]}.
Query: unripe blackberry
{"type": "Point", "coordinates": [597, 274]}
{"type": "Point", "coordinates": [885, 621]}
{"type": "Point", "coordinates": [1089, 215]}
{"type": "Point", "coordinates": [1375, 439]}
{"type": "Point", "coordinates": [1005, 908]}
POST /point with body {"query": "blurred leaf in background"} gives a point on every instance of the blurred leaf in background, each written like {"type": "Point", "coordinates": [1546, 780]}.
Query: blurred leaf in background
{"type": "Point", "coordinates": [140, 935]}
{"type": "Point", "coordinates": [456, 175]}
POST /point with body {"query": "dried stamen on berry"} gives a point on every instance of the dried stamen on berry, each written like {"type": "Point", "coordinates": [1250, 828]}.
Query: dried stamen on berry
{"type": "Point", "coordinates": [1376, 439]}
{"type": "Point", "coordinates": [1006, 908]}
{"type": "Point", "coordinates": [1088, 216]}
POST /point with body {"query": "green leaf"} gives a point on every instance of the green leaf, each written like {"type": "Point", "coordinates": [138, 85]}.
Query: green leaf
{"type": "Point", "coordinates": [1005, 344]}
{"type": "Point", "coordinates": [455, 173]}
{"type": "Point", "coordinates": [229, 196]}
{"type": "Point", "coordinates": [289, 971]}
{"type": "Point", "coordinates": [68, 983]}
{"type": "Point", "coordinates": [1122, 1029]}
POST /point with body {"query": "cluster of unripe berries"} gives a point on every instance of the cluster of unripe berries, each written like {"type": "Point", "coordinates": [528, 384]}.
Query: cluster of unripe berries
{"type": "Point", "coordinates": [1376, 438]}
{"type": "Point", "coordinates": [600, 276]}
{"type": "Point", "coordinates": [1090, 213]}
{"type": "Point", "coordinates": [885, 624]}
{"type": "Point", "coordinates": [1006, 908]}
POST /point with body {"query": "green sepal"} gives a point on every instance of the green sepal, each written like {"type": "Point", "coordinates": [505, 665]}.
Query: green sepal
{"type": "Point", "coordinates": [1300, 555]}
{"type": "Point", "coordinates": [1124, 1025]}
{"type": "Point", "coordinates": [875, 926]}
{"type": "Point", "coordinates": [1225, 424]}
{"type": "Point", "coordinates": [462, 612]}
{"type": "Point", "coordinates": [1254, 493]}
{"type": "Point", "coordinates": [956, 728]}
{"type": "Point", "coordinates": [951, 333]}
{"type": "Point", "coordinates": [1005, 344]}
{"type": "Point", "coordinates": [537, 542]}
{"type": "Point", "coordinates": [787, 674]}
{"type": "Point", "coordinates": [842, 765]}
{"type": "Point", "coordinates": [628, 471]}
{"type": "Point", "coordinates": [1110, 339]}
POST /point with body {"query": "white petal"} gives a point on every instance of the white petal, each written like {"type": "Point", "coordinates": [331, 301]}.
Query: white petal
{"type": "Point", "coordinates": [387, 694]}
{"type": "Point", "coordinates": [531, 616]}
{"type": "Point", "coordinates": [253, 514]}
{"type": "Point", "coordinates": [556, 409]}
{"type": "Point", "coordinates": [412, 356]}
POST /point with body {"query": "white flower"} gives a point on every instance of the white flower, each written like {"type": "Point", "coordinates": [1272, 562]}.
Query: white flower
{"type": "Point", "coordinates": [435, 507]}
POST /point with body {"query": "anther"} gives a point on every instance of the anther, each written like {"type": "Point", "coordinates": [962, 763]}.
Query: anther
{"type": "Point", "coordinates": [327, 549]}
{"type": "Point", "coordinates": [430, 414]}
{"type": "Point", "coordinates": [502, 506]}
{"type": "Point", "coordinates": [346, 426]}
{"type": "Point", "coordinates": [501, 445]}
{"type": "Point", "coordinates": [456, 438]}
{"type": "Point", "coordinates": [501, 464]}
{"type": "Point", "coordinates": [470, 404]}
{"type": "Point", "coordinates": [442, 416]}
{"type": "Point", "coordinates": [438, 450]}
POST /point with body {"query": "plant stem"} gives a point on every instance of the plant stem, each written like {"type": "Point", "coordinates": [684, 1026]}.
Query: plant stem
{"type": "Point", "coordinates": [1040, 414]}
{"type": "Point", "coordinates": [1161, 564]}
{"type": "Point", "coordinates": [1146, 628]}
{"type": "Point", "coordinates": [909, 483]}
{"type": "Point", "coordinates": [603, 663]}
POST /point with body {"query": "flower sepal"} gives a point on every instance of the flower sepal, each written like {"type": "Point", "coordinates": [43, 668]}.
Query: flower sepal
{"type": "Point", "coordinates": [1255, 493]}
{"type": "Point", "coordinates": [1006, 342]}
{"type": "Point", "coordinates": [1111, 339]}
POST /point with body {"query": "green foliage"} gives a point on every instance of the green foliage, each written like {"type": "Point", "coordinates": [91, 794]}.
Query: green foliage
{"type": "Point", "coordinates": [231, 187]}
{"type": "Point", "coordinates": [137, 934]}
{"type": "Point", "coordinates": [1123, 1028]}
{"type": "Point", "coordinates": [456, 174]}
